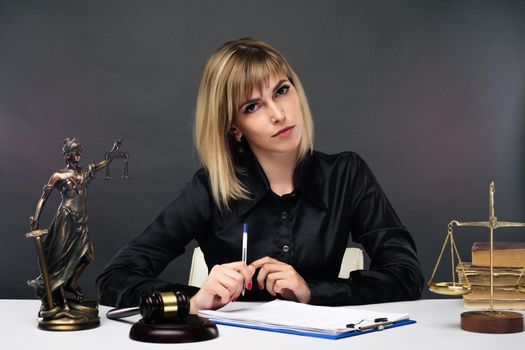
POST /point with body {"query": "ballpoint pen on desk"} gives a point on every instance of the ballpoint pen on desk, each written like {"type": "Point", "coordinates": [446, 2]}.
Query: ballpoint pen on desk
{"type": "Point", "coordinates": [244, 247]}
{"type": "Point", "coordinates": [379, 324]}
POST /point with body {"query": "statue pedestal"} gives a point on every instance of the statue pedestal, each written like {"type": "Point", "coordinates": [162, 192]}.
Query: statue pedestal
{"type": "Point", "coordinates": [80, 316]}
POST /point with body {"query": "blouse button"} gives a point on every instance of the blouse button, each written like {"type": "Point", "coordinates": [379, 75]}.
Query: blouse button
{"type": "Point", "coordinates": [286, 248]}
{"type": "Point", "coordinates": [284, 215]}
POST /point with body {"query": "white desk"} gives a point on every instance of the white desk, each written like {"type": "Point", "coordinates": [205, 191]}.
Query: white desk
{"type": "Point", "coordinates": [437, 327]}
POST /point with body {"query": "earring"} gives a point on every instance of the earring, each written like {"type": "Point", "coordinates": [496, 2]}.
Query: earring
{"type": "Point", "coordinates": [237, 135]}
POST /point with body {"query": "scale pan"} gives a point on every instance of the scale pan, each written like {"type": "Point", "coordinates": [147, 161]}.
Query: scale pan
{"type": "Point", "coordinates": [449, 288]}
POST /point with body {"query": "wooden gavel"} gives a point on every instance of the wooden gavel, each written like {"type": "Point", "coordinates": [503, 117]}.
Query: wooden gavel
{"type": "Point", "coordinates": [156, 307]}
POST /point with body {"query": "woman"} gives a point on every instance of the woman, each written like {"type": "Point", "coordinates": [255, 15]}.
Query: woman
{"type": "Point", "coordinates": [253, 132]}
{"type": "Point", "coordinates": [68, 247]}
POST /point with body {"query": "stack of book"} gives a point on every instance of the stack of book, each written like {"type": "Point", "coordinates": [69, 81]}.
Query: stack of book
{"type": "Point", "coordinates": [509, 263]}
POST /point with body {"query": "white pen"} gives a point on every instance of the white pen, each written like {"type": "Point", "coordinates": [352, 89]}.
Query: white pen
{"type": "Point", "coordinates": [244, 247]}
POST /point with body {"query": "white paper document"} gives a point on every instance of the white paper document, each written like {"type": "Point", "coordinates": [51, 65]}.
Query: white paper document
{"type": "Point", "coordinates": [288, 315]}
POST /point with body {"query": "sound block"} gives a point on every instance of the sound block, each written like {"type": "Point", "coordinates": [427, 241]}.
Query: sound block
{"type": "Point", "coordinates": [495, 322]}
{"type": "Point", "coordinates": [188, 330]}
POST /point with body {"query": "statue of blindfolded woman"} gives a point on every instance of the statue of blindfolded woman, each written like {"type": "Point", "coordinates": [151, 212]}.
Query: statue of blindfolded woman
{"type": "Point", "coordinates": [67, 248]}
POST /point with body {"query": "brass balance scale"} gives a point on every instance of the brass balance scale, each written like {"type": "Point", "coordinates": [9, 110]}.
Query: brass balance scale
{"type": "Point", "coordinates": [483, 321]}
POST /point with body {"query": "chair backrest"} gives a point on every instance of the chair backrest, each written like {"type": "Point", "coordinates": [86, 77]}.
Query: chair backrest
{"type": "Point", "coordinates": [199, 270]}
{"type": "Point", "coordinates": [352, 260]}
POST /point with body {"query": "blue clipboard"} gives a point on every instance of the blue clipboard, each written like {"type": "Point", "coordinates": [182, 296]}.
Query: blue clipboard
{"type": "Point", "coordinates": [351, 333]}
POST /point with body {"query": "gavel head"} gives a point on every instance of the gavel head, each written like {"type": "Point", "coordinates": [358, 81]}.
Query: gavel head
{"type": "Point", "coordinates": [159, 306]}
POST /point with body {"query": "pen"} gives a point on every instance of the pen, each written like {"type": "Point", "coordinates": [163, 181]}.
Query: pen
{"type": "Point", "coordinates": [379, 324]}
{"type": "Point", "coordinates": [376, 326]}
{"type": "Point", "coordinates": [244, 247]}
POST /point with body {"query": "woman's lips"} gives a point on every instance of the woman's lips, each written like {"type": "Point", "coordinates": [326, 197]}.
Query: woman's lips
{"type": "Point", "coordinates": [284, 132]}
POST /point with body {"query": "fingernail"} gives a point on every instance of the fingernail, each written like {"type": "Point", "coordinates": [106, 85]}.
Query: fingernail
{"type": "Point", "coordinates": [233, 299]}
{"type": "Point", "coordinates": [249, 286]}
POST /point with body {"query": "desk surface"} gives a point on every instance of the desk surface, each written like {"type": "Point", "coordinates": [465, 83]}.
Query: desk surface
{"type": "Point", "coordinates": [437, 327]}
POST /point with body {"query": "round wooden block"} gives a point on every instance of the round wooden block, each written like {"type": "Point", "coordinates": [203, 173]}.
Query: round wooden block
{"type": "Point", "coordinates": [492, 322]}
{"type": "Point", "coordinates": [188, 330]}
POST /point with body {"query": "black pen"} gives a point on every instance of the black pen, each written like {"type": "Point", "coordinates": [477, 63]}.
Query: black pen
{"type": "Point", "coordinates": [379, 324]}
{"type": "Point", "coordinates": [376, 326]}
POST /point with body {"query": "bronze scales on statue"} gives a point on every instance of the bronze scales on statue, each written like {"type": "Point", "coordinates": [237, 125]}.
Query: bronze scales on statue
{"type": "Point", "coordinates": [483, 321]}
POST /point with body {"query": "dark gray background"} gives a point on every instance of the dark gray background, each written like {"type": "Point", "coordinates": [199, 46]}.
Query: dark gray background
{"type": "Point", "coordinates": [430, 93]}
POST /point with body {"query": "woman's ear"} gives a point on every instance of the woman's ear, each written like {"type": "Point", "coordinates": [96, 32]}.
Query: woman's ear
{"type": "Point", "coordinates": [236, 133]}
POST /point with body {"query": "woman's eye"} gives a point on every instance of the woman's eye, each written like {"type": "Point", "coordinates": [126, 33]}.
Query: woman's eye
{"type": "Point", "coordinates": [250, 108]}
{"type": "Point", "coordinates": [282, 90]}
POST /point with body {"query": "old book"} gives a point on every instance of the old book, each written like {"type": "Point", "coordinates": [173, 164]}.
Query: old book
{"type": "Point", "coordinates": [480, 276]}
{"type": "Point", "coordinates": [504, 298]}
{"type": "Point", "coordinates": [500, 293]}
{"type": "Point", "coordinates": [506, 254]}
{"type": "Point", "coordinates": [498, 304]}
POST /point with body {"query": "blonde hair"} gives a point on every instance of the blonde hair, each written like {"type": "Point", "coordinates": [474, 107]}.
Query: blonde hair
{"type": "Point", "coordinates": [230, 76]}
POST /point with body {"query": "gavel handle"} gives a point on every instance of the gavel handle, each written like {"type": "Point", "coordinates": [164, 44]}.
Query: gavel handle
{"type": "Point", "coordinates": [114, 314]}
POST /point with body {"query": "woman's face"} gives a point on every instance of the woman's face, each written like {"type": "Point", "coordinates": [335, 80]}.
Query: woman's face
{"type": "Point", "coordinates": [75, 156]}
{"type": "Point", "coordinates": [271, 119]}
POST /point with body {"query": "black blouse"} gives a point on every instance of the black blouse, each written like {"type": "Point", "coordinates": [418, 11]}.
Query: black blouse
{"type": "Point", "coordinates": [334, 196]}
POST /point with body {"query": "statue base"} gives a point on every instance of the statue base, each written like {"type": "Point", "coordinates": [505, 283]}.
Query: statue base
{"type": "Point", "coordinates": [494, 322]}
{"type": "Point", "coordinates": [188, 330]}
{"type": "Point", "coordinates": [78, 316]}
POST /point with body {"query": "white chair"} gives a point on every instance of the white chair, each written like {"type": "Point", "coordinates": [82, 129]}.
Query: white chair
{"type": "Point", "coordinates": [352, 260]}
{"type": "Point", "coordinates": [199, 270]}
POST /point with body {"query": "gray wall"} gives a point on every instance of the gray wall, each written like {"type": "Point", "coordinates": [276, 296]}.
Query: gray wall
{"type": "Point", "coordinates": [430, 93]}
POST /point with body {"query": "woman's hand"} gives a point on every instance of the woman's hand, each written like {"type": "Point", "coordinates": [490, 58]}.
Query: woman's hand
{"type": "Point", "coordinates": [33, 223]}
{"type": "Point", "coordinates": [281, 278]}
{"type": "Point", "coordinates": [224, 284]}
{"type": "Point", "coordinates": [116, 145]}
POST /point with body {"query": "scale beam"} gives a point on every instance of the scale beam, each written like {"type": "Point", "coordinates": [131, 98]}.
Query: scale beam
{"type": "Point", "coordinates": [488, 224]}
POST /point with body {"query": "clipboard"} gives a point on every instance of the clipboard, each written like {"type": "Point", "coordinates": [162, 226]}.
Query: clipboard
{"type": "Point", "coordinates": [289, 317]}
{"type": "Point", "coordinates": [324, 335]}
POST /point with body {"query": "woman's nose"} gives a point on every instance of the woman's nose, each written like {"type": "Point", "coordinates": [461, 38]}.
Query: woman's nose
{"type": "Point", "coordinates": [276, 112]}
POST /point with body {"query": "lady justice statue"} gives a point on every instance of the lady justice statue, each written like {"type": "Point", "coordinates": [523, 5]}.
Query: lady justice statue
{"type": "Point", "coordinates": [67, 248]}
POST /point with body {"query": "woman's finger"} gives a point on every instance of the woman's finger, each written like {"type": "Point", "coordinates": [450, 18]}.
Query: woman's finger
{"type": "Point", "coordinates": [281, 284]}
{"type": "Point", "coordinates": [265, 260]}
{"type": "Point", "coordinates": [239, 281]}
{"type": "Point", "coordinates": [245, 270]}
{"type": "Point", "coordinates": [269, 268]}
{"type": "Point", "coordinates": [274, 277]}
{"type": "Point", "coordinates": [230, 279]}
{"type": "Point", "coordinates": [218, 289]}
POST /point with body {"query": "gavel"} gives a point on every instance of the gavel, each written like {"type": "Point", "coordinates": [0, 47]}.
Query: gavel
{"type": "Point", "coordinates": [156, 307]}
{"type": "Point", "coordinates": [166, 319]}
